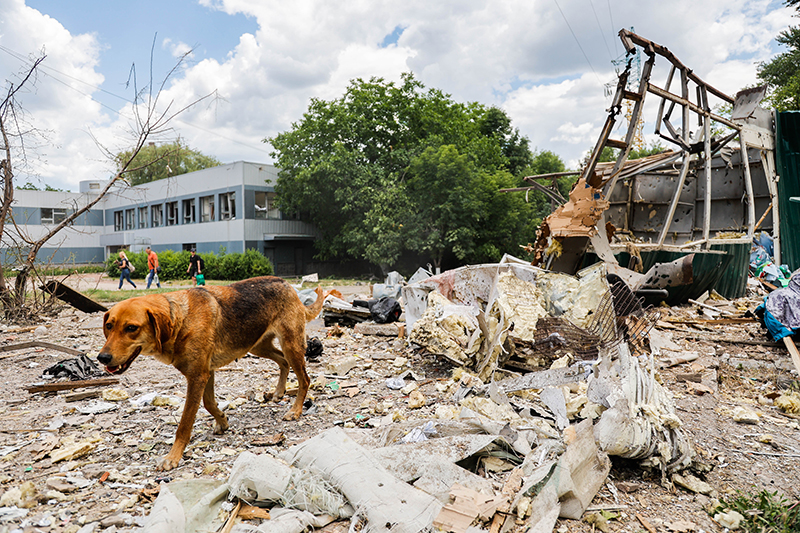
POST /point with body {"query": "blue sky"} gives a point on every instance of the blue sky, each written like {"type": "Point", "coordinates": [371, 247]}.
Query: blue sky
{"type": "Point", "coordinates": [127, 33]}
{"type": "Point", "coordinates": [544, 61]}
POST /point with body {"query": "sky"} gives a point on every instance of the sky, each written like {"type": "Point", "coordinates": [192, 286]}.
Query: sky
{"type": "Point", "coordinates": [545, 62]}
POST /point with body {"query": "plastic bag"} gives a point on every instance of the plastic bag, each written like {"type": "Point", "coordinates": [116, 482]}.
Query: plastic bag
{"type": "Point", "coordinates": [385, 310]}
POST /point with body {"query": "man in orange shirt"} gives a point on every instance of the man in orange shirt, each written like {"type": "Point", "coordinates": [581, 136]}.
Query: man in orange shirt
{"type": "Point", "coordinates": [152, 264]}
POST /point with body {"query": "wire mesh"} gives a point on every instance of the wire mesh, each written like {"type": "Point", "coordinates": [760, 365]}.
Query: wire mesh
{"type": "Point", "coordinates": [619, 317]}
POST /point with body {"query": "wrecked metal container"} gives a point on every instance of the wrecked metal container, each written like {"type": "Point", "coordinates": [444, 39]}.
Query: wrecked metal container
{"type": "Point", "coordinates": [733, 281]}
{"type": "Point", "coordinates": [787, 124]}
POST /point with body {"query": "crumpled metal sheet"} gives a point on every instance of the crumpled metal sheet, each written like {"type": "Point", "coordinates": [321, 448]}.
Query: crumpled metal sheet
{"type": "Point", "coordinates": [388, 503]}
{"type": "Point", "coordinates": [642, 422]}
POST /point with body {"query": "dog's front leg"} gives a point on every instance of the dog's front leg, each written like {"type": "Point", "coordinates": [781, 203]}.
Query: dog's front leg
{"type": "Point", "coordinates": [194, 392]}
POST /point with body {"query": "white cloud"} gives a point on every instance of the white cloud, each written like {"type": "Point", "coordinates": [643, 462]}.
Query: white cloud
{"type": "Point", "coordinates": [177, 49]}
{"type": "Point", "coordinates": [518, 54]}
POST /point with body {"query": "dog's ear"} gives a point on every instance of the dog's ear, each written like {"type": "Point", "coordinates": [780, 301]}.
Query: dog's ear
{"type": "Point", "coordinates": [105, 319]}
{"type": "Point", "coordinates": [162, 326]}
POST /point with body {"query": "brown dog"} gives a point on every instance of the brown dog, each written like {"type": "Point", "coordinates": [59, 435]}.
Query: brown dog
{"type": "Point", "coordinates": [202, 329]}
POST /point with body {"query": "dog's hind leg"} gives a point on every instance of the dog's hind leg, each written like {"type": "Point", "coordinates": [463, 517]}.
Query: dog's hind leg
{"type": "Point", "coordinates": [210, 403]}
{"type": "Point", "coordinates": [290, 355]}
{"type": "Point", "coordinates": [266, 348]}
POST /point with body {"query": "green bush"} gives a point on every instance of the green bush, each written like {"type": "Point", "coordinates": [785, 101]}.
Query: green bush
{"type": "Point", "coordinates": [137, 259]}
{"type": "Point", "coordinates": [764, 512]}
{"type": "Point", "coordinates": [229, 267]}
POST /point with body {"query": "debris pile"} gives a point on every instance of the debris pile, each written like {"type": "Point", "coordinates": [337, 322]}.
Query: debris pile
{"type": "Point", "coordinates": [542, 380]}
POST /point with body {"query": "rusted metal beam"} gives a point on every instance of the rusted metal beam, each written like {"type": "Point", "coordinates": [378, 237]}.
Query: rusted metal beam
{"type": "Point", "coordinates": [553, 175]}
{"type": "Point", "coordinates": [661, 104]}
{"type": "Point", "coordinates": [658, 91]}
{"type": "Point", "coordinates": [628, 38]}
{"type": "Point", "coordinates": [539, 187]}
{"type": "Point", "coordinates": [675, 199]}
{"type": "Point", "coordinates": [703, 99]}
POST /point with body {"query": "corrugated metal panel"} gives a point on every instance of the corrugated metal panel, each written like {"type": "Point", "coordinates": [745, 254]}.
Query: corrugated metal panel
{"type": "Point", "coordinates": [708, 267]}
{"type": "Point", "coordinates": [787, 124]}
{"type": "Point", "coordinates": [733, 282]}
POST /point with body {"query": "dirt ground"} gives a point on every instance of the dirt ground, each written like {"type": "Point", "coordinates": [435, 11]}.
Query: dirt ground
{"type": "Point", "coordinates": [115, 481]}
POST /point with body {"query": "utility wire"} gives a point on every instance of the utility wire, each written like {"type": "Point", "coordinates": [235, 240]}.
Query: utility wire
{"type": "Point", "coordinates": [613, 28]}
{"type": "Point", "coordinates": [27, 61]}
{"type": "Point", "coordinates": [602, 33]}
{"type": "Point", "coordinates": [578, 42]}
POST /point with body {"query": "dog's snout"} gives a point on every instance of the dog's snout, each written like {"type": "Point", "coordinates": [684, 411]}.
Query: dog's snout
{"type": "Point", "coordinates": [104, 358]}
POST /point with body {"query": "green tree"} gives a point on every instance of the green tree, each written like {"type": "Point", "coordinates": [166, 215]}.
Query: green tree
{"type": "Point", "coordinates": [782, 73]}
{"type": "Point", "coordinates": [31, 187]}
{"type": "Point", "coordinates": [155, 162]}
{"type": "Point", "coordinates": [545, 162]}
{"type": "Point", "coordinates": [653, 148]}
{"type": "Point", "coordinates": [446, 209]}
{"type": "Point", "coordinates": [346, 164]}
{"type": "Point", "coordinates": [496, 124]}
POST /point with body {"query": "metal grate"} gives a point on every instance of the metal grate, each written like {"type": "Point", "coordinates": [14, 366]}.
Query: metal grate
{"type": "Point", "coordinates": [619, 317]}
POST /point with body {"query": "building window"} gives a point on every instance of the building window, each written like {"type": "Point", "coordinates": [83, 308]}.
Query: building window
{"type": "Point", "coordinates": [156, 216]}
{"type": "Point", "coordinates": [265, 205]}
{"type": "Point", "coordinates": [188, 212]}
{"type": "Point", "coordinates": [142, 217]}
{"type": "Point", "coordinates": [130, 219]}
{"type": "Point", "coordinates": [52, 215]}
{"type": "Point", "coordinates": [117, 220]}
{"type": "Point", "coordinates": [189, 246]}
{"type": "Point", "coordinates": [227, 206]}
{"type": "Point", "coordinates": [172, 213]}
{"type": "Point", "coordinates": [207, 209]}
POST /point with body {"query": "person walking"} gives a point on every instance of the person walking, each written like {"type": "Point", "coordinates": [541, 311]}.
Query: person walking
{"type": "Point", "coordinates": [152, 264]}
{"type": "Point", "coordinates": [124, 269]}
{"type": "Point", "coordinates": [195, 265]}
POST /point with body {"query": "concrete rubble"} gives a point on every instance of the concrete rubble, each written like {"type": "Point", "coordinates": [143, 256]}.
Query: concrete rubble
{"type": "Point", "coordinates": [504, 400]}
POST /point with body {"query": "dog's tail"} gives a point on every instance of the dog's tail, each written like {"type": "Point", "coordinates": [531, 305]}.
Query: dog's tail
{"type": "Point", "coordinates": [313, 310]}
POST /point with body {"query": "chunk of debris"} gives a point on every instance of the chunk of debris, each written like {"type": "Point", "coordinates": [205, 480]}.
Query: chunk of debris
{"type": "Point", "coordinates": [744, 415]}
{"type": "Point", "coordinates": [73, 297]}
{"type": "Point", "coordinates": [466, 506]}
{"type": "Point", "coordinates": [348, 466]}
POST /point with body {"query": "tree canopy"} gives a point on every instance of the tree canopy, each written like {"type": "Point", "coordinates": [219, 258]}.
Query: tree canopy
{"type": "Point", "coordinates": [782, 73]}
{"type": "Point", "coordinates": [155, 162]}
{"type": "Point", "coordinates": [390, 168]}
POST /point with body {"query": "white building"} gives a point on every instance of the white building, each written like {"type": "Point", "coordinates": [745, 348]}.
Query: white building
{"type": "Point", "coordinates": [228, 207]}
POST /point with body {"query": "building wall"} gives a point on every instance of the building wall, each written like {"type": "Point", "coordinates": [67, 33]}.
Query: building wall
{"type": "Point", "coordinates": [105, 228]}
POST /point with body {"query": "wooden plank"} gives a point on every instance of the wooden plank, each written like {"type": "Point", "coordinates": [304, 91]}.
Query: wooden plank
{"type": "Point", "coordinates": [69, 385]}
{"type": "Point", "coordinates": [83, 395]}
{"type": "Point", "coordinates": [73, 297]}
{"type": "Point", "coordinates": [39, 344]}
{"type": "Point", "coordinates": [616, 143]}
{"type": "Point", "coordinates": [730, 340]}
{"type": "Point", "coordinates": [790, 345]}
{"type": "Point", "coordinates": [712, 321]}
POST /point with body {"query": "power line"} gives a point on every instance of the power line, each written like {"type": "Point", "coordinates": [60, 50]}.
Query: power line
{"type": "Point", "coordinates": [578, 42]}
{"type": "Point", "coordinates": [599, 27]}
{"type": "Point", "coordinates": [26, 61]}
{"type": "Point", "coordinates": [611, 18]}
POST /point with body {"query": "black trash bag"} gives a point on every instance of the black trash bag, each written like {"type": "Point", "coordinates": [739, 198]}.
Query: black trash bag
{"type": "Point", "coordinates": [313, 349]}
{"type": "Point", "coordinates": [77, 368]}
{"type": "Point", "coordinates": [385, 310]}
